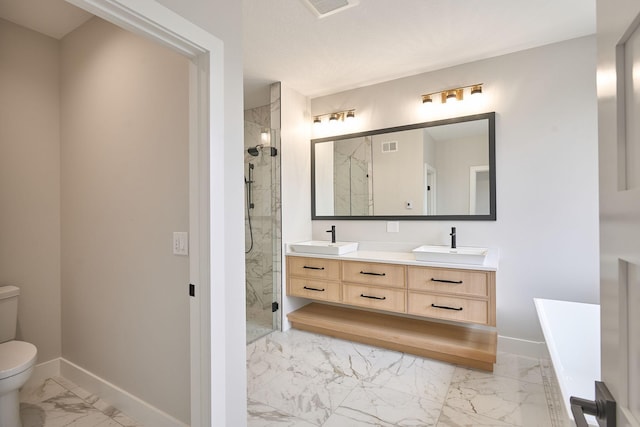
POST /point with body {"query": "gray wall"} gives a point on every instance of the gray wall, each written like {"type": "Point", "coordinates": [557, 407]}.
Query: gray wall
{"type": "Point", "coordinates": [30, 182]}
{"type": "Point", "coordinates": [124, 156]}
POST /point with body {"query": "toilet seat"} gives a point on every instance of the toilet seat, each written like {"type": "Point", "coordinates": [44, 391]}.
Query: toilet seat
{"type": "Point", "coordinates": [15, 357]}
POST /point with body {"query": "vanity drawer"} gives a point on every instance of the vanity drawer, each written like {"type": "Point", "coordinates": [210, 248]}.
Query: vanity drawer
{"type": "Point", "coordinates": [458, 282]}
{"type": "Point", "coordinates": [316, 268]}
{"type": "Point", "coordinates": [450, 308]}
{"type": "Point", "coordinates": [372, 297]}
{"type": "Point", "coordinates": [373, 273]}
{"type": "Point", "coordinates": [315, 289]}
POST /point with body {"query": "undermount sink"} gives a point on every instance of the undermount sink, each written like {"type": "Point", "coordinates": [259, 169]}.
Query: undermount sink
{"type": "Point", "coordinates": [324, 247]}
{"type": "Point", "coordinates": [460, 255]}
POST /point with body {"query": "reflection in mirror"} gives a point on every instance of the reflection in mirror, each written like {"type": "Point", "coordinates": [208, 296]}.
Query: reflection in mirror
{"type": "Point", "coordinates": [434, 170]}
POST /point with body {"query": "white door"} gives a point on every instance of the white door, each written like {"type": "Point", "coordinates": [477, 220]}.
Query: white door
{"type": "Point", "coordinates": [619, 163]}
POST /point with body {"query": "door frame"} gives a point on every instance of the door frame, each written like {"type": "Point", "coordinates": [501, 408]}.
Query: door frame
{"type": "Point", "coordinates": [206, 183]}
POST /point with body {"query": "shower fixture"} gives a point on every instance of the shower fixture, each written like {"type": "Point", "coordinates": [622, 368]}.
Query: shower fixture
{"type": "Point", "coordinates": [254, 151]}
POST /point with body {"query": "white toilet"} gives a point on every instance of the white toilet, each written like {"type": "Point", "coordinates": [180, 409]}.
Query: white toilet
{"type": "Point", "coordinates": [16, 359]}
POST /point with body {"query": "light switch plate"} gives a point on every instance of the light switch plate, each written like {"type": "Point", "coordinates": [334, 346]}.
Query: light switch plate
{"type": "Point", "coordinates": [180, 243]}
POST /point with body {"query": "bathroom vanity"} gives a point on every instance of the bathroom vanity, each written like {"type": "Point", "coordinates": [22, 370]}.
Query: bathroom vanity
{"type": "Point", "coordinates": [388, 299]}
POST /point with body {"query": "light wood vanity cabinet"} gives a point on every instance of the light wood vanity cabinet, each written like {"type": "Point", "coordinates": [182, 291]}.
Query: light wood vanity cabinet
{"type": "Point", "coordinates": [452, 294]}
{"type": "Point", "coordinates": [315, 278]}
{"type": "Point", "coordinates": [374, 273]}
{"type": "Point", "coordinates": [419, 292]}
{"type": "Point", "coordinates": [314, 268]}
{"type": "Point", "coordinates": [380, 298]}
{"type": "Point", "coordinates": [442, 293]}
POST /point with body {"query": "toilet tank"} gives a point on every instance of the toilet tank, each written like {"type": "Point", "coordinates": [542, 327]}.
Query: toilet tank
{"type": "Point", "coordinates": [8, 312]}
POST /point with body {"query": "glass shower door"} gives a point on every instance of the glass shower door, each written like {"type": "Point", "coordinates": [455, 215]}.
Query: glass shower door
{"type": "Point", "coordinates": [262, 228]}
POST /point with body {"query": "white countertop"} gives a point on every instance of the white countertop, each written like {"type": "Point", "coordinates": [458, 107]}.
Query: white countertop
{"type": "Point", "coordinates": [402, 257]}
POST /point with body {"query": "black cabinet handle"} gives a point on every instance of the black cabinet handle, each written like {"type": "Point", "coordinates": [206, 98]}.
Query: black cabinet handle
{"type": "Point", "coordinates": [457, 282]}
{"type": "Point", "coordinates": [372, 297]}
{"type": "Point", "coordinates": [446, 308]}
{"type": "Point", "coordinates": [373, 274]}
{"type": "Point", "coordinates": [313, 289]}
{"type": "Point", "coordinates": [313, 268]}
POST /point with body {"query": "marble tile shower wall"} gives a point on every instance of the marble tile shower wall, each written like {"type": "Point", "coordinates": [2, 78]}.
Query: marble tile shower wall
{"type": "Point", "coordinates": [262, 262]}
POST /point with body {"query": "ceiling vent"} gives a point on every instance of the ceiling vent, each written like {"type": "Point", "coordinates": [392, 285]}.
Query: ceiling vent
{"type": "Point", "coordinates": [323, 8]}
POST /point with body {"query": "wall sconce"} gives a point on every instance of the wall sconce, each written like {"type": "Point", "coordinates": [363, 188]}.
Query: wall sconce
{"type": "Point", "coordinates": [338, 116]}
{"type": "Point", "coordinates": [456, 94]}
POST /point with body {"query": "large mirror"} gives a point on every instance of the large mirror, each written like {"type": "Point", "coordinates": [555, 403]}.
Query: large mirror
{"type": "Point", "coordinates": [441, 170]}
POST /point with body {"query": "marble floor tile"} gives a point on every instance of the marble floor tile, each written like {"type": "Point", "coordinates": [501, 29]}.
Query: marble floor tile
{"type": "Point", "coordinates": [295, 376]}
{"type": "Point", "coordinates": [359, 361]}
{"type": "Point", "coordinates": [518, 403]}
{"type": "Point", "coordinates": [371, 405]}
{"type": "Point", "coordinates": [60, 403]}
{"type": "Point", "coordinates": [450, 417]}
{"type": "Point", "coordinates": [520, 368]}
{"type": "Point", "coordinates": [48, 389]}
{"type": "Point", "coordinates": [417, 376]}
{"type": "Point", "coordinates": [308, 394]}
{"type": "Point", "coordinates": [64, 410]}
{"type": "Point", "coordinates": [259, 415]}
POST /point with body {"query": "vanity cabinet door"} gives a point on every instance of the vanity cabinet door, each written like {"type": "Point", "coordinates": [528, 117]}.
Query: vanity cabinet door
{"type": "Point", "coordinates": [314, 268]}
{"type": "Point", "coordinates": [373, 273]}
{"type": "Point", "coordinates": [450, 308]}
{"type": "Point", "coordinates": [314, 289]}
{"type": "Point", "coordinates": [457, 282]}
{"type": "Point", "coordinates": [374, 297]}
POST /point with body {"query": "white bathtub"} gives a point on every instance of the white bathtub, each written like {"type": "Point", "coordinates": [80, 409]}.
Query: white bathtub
{"type": "Point", "coordinates": [572, 333]}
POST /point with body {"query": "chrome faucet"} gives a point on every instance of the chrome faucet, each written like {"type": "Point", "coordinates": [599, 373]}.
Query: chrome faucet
{"type": "Point", "coordinates": [453, 237]}
{"type": "Point", "coordinates": [333, 233]}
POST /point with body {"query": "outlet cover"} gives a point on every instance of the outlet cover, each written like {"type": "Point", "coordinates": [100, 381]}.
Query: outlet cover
{"type": "Point", "coordinates": [393, 226]}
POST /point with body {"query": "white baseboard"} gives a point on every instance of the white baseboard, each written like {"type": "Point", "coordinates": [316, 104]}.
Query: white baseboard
{"type": "Point", "coordinates": [536, 349]}
{"type": "Point", "coordinates": [129, 404]}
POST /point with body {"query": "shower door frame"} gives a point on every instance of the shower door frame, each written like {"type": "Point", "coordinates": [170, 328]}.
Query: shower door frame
{"type": "Point", "coordinates": [148, 18]}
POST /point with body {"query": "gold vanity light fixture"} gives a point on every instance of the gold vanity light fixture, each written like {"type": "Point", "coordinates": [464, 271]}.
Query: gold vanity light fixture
{"type": "Point", "coordinates": [338, 116]}
{"type": "Point", "coordinates": [456, 94]}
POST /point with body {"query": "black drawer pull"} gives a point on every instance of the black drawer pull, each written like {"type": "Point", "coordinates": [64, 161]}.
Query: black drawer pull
{"type": "Point", "coordinates": [313, 289]}
{"type": "Point", "coordinates": [457, 282]}
{"type": "Point", "coordinates": [373, 274]}
{"type": "Point", "coordinates": [372, 297]}
{"type": "Point", "coordinates": [313, 268]}
{"type": "Point", "coordinates": [446, 308]}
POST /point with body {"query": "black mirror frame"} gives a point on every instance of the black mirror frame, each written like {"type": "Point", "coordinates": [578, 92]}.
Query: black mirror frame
{"type": "Point", "coordinates": [492, 172]}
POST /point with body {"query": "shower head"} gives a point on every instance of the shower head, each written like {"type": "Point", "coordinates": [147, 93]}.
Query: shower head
{"type": "Point", "coordinates": [254, 151]}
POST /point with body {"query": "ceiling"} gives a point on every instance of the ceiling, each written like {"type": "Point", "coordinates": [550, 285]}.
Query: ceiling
{"type": "Point", "coordinates": [372, 42]}
{"type": "Point", "coordinates": [381, 40]}
{"type": "Point", "coordinates": [55, 18]}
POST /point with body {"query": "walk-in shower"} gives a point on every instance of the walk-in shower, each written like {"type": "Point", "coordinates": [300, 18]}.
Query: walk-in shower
{"type": "Point", "coordinates": [263, 257]}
